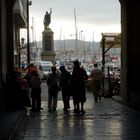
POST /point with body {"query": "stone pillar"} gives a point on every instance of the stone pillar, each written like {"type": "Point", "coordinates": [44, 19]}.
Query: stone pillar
{"type": "Point", "coordinates": [48, 53]}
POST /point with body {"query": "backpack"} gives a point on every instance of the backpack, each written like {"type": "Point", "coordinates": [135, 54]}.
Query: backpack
{"type": "Point", "coordinates": [53, 81]}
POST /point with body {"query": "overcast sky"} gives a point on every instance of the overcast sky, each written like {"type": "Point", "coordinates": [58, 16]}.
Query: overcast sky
{"type": "Point", "coordinates": [93, 17]}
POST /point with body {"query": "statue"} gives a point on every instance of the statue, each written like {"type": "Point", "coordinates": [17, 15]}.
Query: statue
{"type": "Point", "coordinates": [47, 19]}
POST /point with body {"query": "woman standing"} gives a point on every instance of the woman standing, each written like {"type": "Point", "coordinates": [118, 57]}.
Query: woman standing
{"type": "Point", "coordinates": [79, 76]}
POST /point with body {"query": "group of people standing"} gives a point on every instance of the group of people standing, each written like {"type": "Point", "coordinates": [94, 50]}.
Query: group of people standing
{"type": "Point", "coordinates": [25, 85]}
{"type": "Point", "coordinates": [34, 82]}
{"type": "Point", "coordinates": [72, 85]}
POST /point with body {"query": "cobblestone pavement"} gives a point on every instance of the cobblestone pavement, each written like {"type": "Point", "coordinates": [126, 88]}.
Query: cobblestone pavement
{"type": "Point", "coordinates": [105, 120]}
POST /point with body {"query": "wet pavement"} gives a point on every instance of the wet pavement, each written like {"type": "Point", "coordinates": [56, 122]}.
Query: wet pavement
{"type": "Point", "coordinates": [105, 120]}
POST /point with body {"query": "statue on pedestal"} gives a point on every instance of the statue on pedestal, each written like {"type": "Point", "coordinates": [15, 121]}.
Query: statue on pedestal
{"type": "Point", "coordinates": [47, 40]}
{"type": "Point", "coordinates": [47, 19]}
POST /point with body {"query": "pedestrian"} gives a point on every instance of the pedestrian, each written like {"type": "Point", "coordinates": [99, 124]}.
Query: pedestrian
{"type": "Point", "coordinates": [13, 93]}
{"type": "Point", "coordinates": [35, 84]}
{"type": "Point", "coordinates": [53, 82]}
{"type": "Point", "coordinates": [79, 76]}
{"type": "Point", "coordinates": [30, 69]}
{"type": "Point", "coordinates": [65, 82]}
{"type": "Point", "coordinates": [96, 76]}
{"type": "Point", "coordinates": [25, 99]}
{"type": "Point", "coordinates": [28, 75]}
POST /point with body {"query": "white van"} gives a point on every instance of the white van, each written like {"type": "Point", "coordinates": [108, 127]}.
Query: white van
{"type": "Point", "coordinates": [44, 67]}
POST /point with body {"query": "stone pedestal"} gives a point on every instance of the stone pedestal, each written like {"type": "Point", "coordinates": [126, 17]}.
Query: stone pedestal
{"type": "Point", "coordinates": [48, 53]}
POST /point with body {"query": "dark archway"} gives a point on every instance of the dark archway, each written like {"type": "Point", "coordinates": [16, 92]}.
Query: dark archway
{"type": "Point", "coordinates": [130, 90]}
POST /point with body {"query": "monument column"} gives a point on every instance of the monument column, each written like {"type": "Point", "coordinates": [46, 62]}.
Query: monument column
{"type": "Point", "coordinates": [48, 53]}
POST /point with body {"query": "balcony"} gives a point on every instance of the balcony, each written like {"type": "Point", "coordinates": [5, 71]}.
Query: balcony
{"type": "Point", "coordinates": [20, 13]}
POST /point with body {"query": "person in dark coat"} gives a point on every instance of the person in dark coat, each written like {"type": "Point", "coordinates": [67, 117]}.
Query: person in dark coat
{"type": "Point", "coordinates": [53, 82]}
{"type": "Point", "coordinates": [65, 82]}
{"type": "Point", "coordinates": [35, 84]}
{"type": "Point", "coordinates": [79, 76]}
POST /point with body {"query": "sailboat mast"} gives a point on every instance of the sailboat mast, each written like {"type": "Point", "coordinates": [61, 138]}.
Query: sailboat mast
{"type": "Point", "coordinates": [76, 45]}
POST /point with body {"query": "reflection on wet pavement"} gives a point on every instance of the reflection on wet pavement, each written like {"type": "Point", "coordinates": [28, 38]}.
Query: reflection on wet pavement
{"type": "Point", "coordinates": [105, 120]}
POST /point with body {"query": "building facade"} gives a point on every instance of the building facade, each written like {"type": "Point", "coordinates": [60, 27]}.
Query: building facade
{"type": "Point", "coordinates": [13, 14]}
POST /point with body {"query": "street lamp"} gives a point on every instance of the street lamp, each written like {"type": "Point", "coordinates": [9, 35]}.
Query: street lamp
{"type": "Point", "coordinates": [22, 43]}
{"type": "Point", "coordinates": [28, 42]}
{"type": "Point", "coordinates": [19, 49]}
